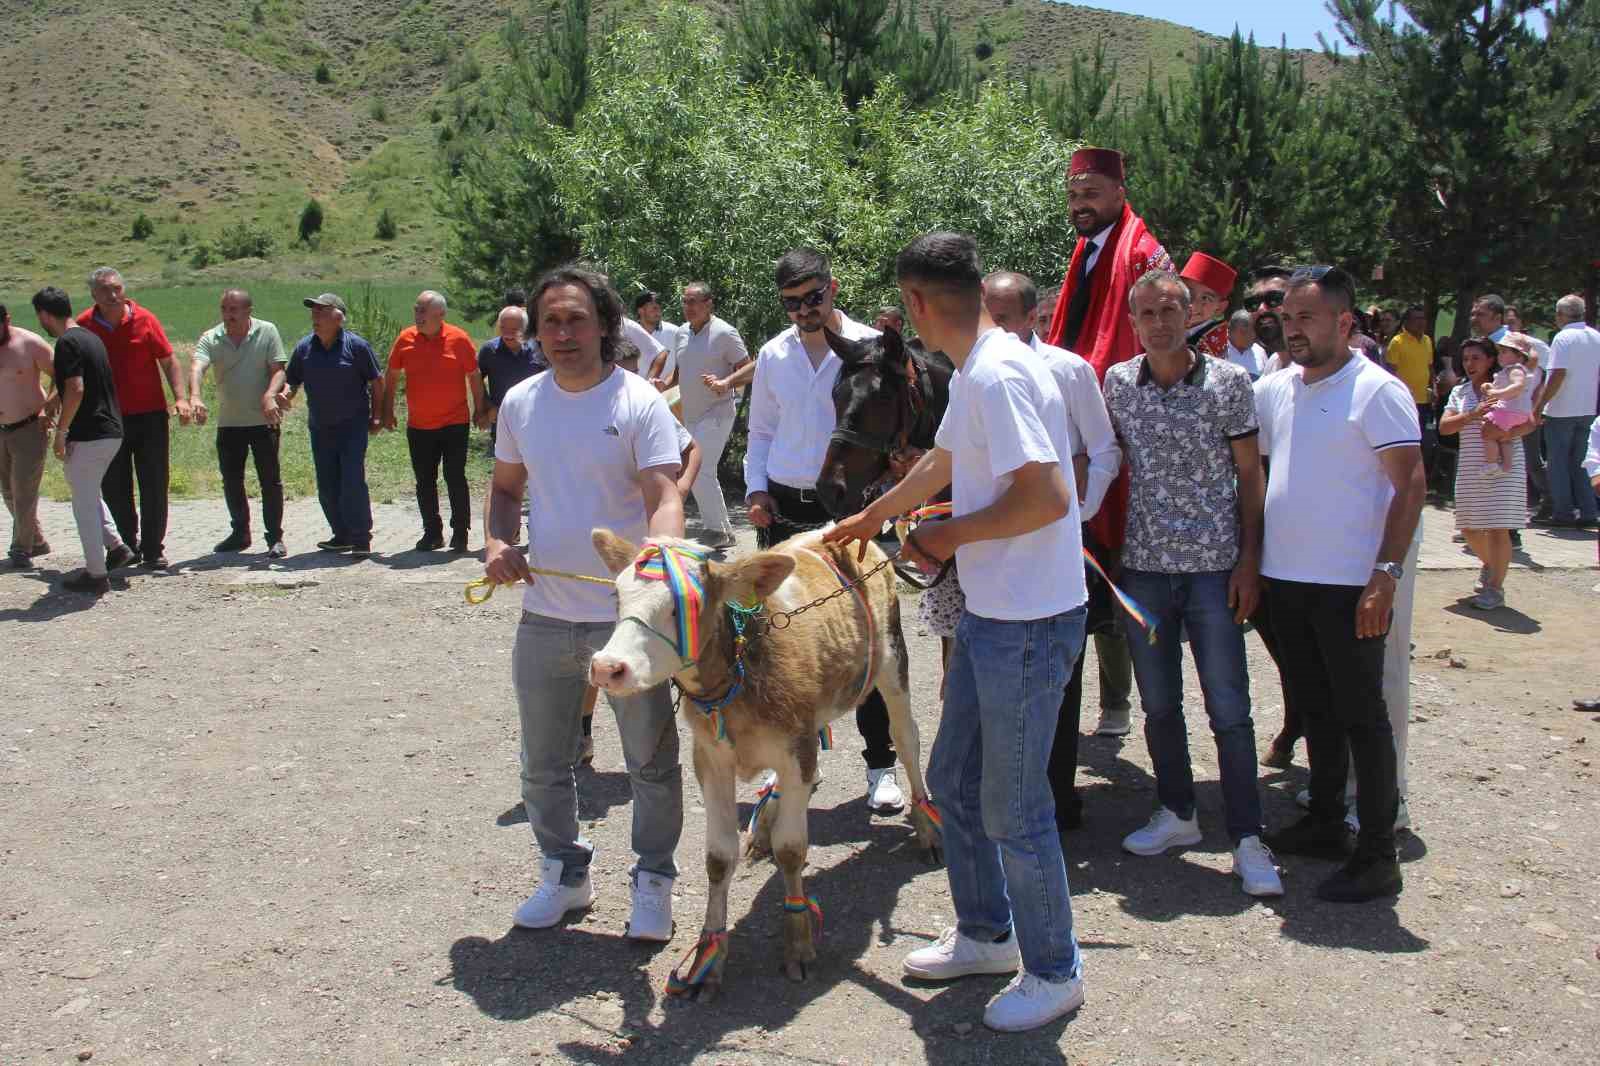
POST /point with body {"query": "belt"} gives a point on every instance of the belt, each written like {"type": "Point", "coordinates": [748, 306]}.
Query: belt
{"type": "Point", "coordinates": [9, 426]}
{"type": "Point", "coordinates": [779, 490]}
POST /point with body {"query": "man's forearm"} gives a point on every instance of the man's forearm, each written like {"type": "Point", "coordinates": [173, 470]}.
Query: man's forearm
{"type": "Point", "coordinates": [502, 519]}
{"type": "Point", "coordinates": [275, 383]}
{"type": "Point", "coordinates": [71, 400]}
{"type": "Point", "coordinates": [667, 518]}
{"type": "Point", "coordinates": [742, 376]}
{"type": "Point", "coordinates": [382, 399]}
{"type": "Point", "coordinates": [1252, 502]}
{"type": "Point", "coordinates": [174, 376]}
{"type": "Point", "coordinates": [1552, 385]}
{"type": "Point", "coordinates": [197, 370]}
{"type": "Point", "coordinates": [1400, 524]}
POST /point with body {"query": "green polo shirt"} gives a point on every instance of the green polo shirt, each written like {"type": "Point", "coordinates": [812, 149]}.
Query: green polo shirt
{"type": "Point", "coordinates": [242, 370]}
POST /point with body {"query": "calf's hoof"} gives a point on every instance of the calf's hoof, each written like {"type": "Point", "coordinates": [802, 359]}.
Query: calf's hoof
{"type": "Point", "coordinates": [800, 930]}
{"type": "Point", "coordinates": [924, 819]}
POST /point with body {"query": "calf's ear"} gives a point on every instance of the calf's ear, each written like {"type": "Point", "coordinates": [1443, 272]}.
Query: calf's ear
{"type": "Point", "coordinates": [753, 577]}
{"type": "Point", "coordinates": [615, 552]}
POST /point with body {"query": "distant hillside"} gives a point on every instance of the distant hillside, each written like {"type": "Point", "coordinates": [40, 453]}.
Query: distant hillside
{"type": "Point", "coordinates": [207, 113]}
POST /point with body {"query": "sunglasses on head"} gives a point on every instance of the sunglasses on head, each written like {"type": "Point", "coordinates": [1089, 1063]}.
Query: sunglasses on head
{"type": "Point", "coordinates": [1271, 299]}
{"type": "Point", "coordinates": [813, 298]}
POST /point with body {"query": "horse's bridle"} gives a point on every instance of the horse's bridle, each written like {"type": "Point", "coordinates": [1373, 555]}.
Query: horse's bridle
{"type": "Point", "coordinates": [908, 417]}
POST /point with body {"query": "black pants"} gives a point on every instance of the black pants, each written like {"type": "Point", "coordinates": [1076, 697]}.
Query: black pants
{"type": "Point", "coordinates": [1293, 726]}
{"type": "Point", "coordinates": [234, 443]}
{"type": "Point", "coordinates": [798, 511]}
{"type": "Point", "coordinates": [143, 455]}
{"type": "Point", "coordinates": [428, 447]}
{"type": "Point", "coordinates": [1336, 681]}
{"type": "Point", "coordinates": [1063, 769]}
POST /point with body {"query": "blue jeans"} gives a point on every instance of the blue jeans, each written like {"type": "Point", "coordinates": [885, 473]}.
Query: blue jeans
{"type": "Point", "coordinates": [989, 774]}
{"type": "Point", "coordinates": [1200, 603]}
{"type": "Point", "coordinates": [339, 453]}
{"type": "Point", "coordinates": [1567, 440]}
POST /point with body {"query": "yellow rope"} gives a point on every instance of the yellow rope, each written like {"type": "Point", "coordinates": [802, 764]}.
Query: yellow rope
{"type": "Point", "coordinates": [480, 590]}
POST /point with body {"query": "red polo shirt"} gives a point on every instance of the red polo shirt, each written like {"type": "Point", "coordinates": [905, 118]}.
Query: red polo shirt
{"type": "Point", "coordinates": [436, 370]}
{"type": "Point", "coordinates": [135, 346]}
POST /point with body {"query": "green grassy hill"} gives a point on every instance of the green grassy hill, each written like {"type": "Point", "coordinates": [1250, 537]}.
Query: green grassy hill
{"type": "Point", "coordinates": [203, 114]}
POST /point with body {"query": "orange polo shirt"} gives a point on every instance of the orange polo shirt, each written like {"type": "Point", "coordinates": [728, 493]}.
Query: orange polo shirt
{"type": "Point", "coordinates": [436, 370]}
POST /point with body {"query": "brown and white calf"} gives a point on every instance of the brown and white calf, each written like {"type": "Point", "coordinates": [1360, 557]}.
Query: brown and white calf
{"type": "Point", "coordinates": [796, 680]}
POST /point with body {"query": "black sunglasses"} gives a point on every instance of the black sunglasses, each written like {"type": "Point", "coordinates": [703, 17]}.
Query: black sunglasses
{"type": "Point", "coordinates": [813, 298]}
{"type": "Point", "coordinates": [1271, 299]}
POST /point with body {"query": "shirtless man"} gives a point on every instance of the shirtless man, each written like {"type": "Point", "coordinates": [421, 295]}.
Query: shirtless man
{"type": "Point", "coordinates": [25, 417]}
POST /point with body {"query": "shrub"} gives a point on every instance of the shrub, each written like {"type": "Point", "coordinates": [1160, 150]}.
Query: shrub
{"type": "Point", "coordinates": [310, 221]}
{"type": "Point", "coordinates": [371, 317]}
{"type": "Point", "coordinates": [378, 110]}
{"type": "Point", "coordinates": [386, 229]}
{"type": "Point", "coordinates": [323, 75]}
{"type": "Point", "coordinates": [143, 228]}
{"type": "Point", "coordinates": [258, 16]}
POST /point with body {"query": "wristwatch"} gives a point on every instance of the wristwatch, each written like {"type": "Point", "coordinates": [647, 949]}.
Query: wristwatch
{"type": "Point", "coordinates": [1394, 570]}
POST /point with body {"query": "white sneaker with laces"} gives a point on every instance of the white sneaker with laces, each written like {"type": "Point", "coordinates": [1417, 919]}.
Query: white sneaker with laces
{"type": "Point", "coordinates": [1164, 830]}
{"type": "Point", "coordinates": [883, 790]}
{"type": "Point", "coordinates": [552, 900]}
{"type": "Point", "coordinates": [1254, 865]}
{"type": "Point", "coordinates": [652, 908]}
{"type": "Point", "coordinates": [1114, 723]}
{"type": "Point", "coordinates": [954, 955]}
{"type": "Point", "coordinates": [1029, 1002]}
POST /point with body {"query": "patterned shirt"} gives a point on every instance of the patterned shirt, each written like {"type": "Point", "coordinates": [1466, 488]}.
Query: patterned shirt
{"type": "Point", "coordinates": [1183, 500]}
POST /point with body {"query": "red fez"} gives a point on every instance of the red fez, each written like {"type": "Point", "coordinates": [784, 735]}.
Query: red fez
{"type": "Point", "coordinates": [1105, 161]}
{"type": "Point", "coordinates": [1211, 272]}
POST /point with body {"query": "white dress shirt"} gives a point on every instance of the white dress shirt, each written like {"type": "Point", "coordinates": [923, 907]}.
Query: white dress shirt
{"type": "Point", "coordinates": [1096, 244]}
{"type": "Point", "coordinates": [1250, 359]}
{"type": "Point", "coordinates": [791, 410]}
{"type": "Point", "coordinates": [1088, 423]}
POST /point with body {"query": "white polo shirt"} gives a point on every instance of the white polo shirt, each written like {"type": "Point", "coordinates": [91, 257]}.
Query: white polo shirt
{"type": "Point", "coordinates": [1006, 411]}
{"type": "Point", "coordinates": [1576, 349]}
{"type": "Point", "coordinates": [716, 349]}
{"type": "Point", "coordinates": [1088, 423]}
{"type": "Point", "coordinates": [791, 409]}
{"type": "Point", "coordinates": [1327, 493]}
{"type": "Point", "coordinates": [603, 436]}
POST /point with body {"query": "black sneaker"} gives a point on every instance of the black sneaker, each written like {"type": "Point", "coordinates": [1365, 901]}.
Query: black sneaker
{"type": "Point", "coordinates": [87, 582]}
{"type": "Point", "coordinates": [458, 541]}
{"type": "Point", "coordinates": [335, 544]}
{"type": "Point", "coordinates": [430, 542]}
{"type": "Point", "coordinates": [361, 549]}
{"type": "Point", "coordinates": [1313, 837]}
{"type": "Point", "coordinates": [1368, 875]}
{"type": "Point", "coordinates": [236, 542]}
{"type": "Point", "coordinates": [19, 561]}
{"type": "Point", "coordinates": [157, 562]}
{"type": "Point", "coordinates": [121, 555]}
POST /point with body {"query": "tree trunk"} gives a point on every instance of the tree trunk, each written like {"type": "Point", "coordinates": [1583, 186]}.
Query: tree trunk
{"type": "Point", "coordinates": [1463, 326]}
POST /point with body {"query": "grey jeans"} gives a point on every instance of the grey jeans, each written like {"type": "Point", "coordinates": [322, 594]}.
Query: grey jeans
{"type": "Point", "coordinates": [550, 668]}
{"type": "Point", "coordinates": [87, 461]}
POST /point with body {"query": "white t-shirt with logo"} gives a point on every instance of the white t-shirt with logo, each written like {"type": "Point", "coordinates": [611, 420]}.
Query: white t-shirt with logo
{"type": "Point", "coordinates": [1005, 412]}
{"type": "Point", "coordinates": [1327, 492]}
{"type": "Point", "coordinates": [1576, 349]}
{"type": "Point", "coordinates": [583, 452]}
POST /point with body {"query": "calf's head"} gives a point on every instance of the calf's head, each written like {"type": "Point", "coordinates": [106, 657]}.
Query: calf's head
{"type": "Point", "coordinates": [672, 606]}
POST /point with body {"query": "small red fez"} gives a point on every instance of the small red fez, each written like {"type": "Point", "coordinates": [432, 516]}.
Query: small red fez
{"type": "Point", "coordinates": [1211, 272]}
{"type": "Point", "coordinates": [1106, 161]}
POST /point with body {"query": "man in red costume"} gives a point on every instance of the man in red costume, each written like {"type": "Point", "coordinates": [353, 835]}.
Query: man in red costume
{"type": "Point", "coordinates": [1210, 282]}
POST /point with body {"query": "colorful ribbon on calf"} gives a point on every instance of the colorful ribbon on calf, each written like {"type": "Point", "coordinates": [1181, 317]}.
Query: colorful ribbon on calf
{"type": "Point", "coordinates": [680, 569]}
{"type": "Point", "coordinates": [801, 904]}
{"type": "Point", "coordinates": [767, 792]}
{"type": "Point", "coordinates": [701, 958]}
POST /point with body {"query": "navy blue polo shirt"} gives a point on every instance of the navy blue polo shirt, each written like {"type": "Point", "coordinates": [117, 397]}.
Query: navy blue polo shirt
{"type": "Point", "coordinates": [502, 367]}
{"type": "Point", "coordinates": [335, 378]}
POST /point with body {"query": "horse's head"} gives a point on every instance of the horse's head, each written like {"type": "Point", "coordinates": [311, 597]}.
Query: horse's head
{"type": "Point", "coordinates": [884, 401]}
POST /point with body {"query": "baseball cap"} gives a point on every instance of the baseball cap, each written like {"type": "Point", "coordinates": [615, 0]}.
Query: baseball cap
{"type": "Point", "coordinates": [327, 299]}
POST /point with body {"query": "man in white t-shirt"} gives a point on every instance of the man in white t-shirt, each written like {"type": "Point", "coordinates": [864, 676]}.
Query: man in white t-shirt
{"type": "Point", "coordinates": [1567, 406]}
{"type": "Point", "coordinates": [708, 352]}
{"type": "Point", "coordinates": [619, 455]}
{"type": "Point", "coordinates": [792, 419]}
{"type": "Point", "coordinates": [1011, 300]}
{"type": "Point", "coordinates": [1344, 493]}
{"type": "Point", "coordinates": [660, 368]}
{"type": "Point", "coordinates": [1002, 447]}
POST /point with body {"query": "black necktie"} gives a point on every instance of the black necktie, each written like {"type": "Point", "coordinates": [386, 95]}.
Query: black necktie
{"type": "Point", "coordinates": [1078, 308]}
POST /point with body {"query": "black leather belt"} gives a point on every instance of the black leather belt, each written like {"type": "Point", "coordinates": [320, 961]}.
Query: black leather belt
{"type": "Point", "coordinates": [780, 491]}
{"type": "Point", "coordinates": [9, 426]}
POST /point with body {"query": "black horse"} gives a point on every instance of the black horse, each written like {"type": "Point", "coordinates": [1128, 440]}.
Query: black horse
{"type": "Point", "coordinates": [890, 398]}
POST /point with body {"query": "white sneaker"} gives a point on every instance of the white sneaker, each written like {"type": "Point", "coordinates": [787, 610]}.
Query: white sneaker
{"type": "Point", "coordinates": [1402, 817]}
{"type": "Point", "coordinates": [1114, 723]}
{"type": "Point", "coordinates": [1164, 830]}
{"type": "Point", "coordinates": [1254, 865]}
{"type": "Point", "coordinates": [1029, 1002]}
{"type": "Point", "coordinates": [552, 900]}
{"type": "Point", "coordinates": [586, 750]}
{"type": "Point", "coordinates": [883, 790]}
{"type": "Point", "coordinates": [1302, 799]}
{"type": "Point", "coordinates": [954, 955]}
{"type": "Point", "coordinates": [652, 908]}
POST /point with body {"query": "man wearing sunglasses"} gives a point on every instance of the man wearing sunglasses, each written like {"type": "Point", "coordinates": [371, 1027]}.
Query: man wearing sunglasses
{"type": "Point", "coordinates": [792, 419]}
{"type": "Point", "coordinates": [708, 352]}
{"type": "Point", "coordinates": [1264, 301]}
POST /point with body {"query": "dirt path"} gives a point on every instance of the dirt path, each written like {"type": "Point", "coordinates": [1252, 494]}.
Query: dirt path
{"type": "Point", "coordinates": [257, 824]}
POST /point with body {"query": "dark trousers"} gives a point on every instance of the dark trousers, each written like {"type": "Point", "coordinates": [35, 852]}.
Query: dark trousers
{"type": "Point", "coordinates": [1063, 769]}
{"type": "Point", "coordinates": [1293, 727]}
{"type": "Point", "coordinates": [234, 443]}
{"type": "Point", "coordinates": [1336, 681]}
{"type": "Point", "coordinates": [430, 447]}
{"type": "Point", "coordinates": [339, 453]}
{"type": "Point", "coordinates": [798, 511]}
{"type": "Point", "coordinates": [143, 456]}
